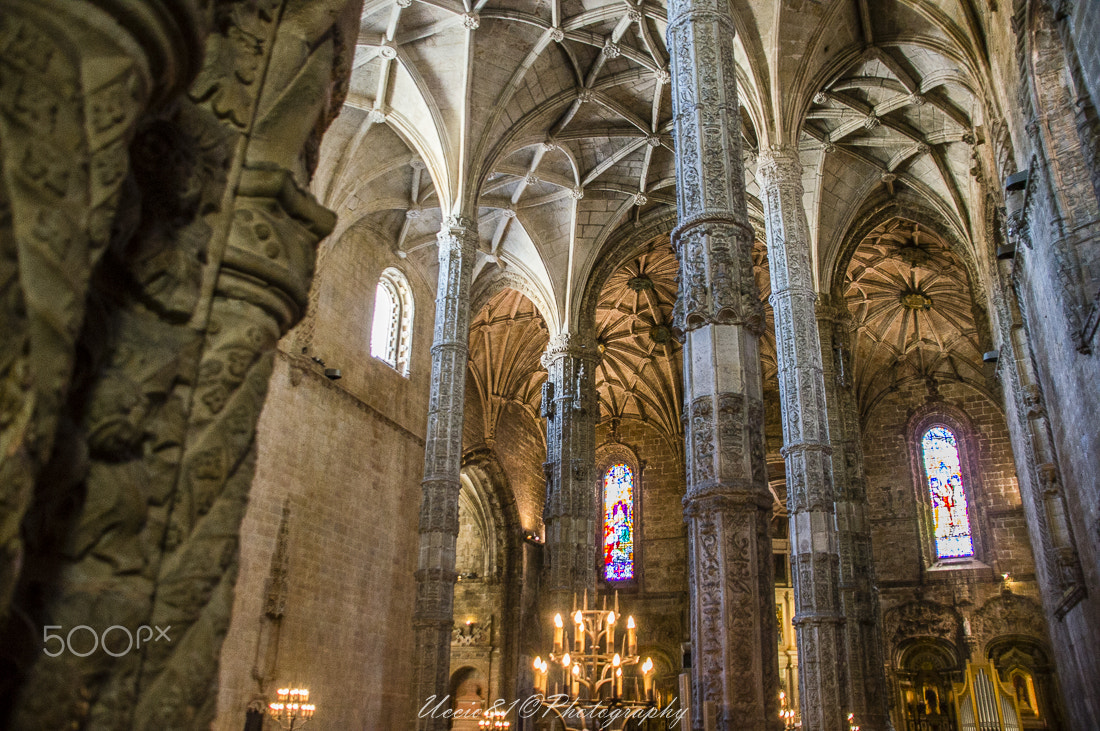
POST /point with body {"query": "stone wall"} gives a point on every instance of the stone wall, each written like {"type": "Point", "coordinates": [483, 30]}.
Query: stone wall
{"type": "Point", "coordinates": [521, 450]}
{"type": "Point", "coordinates": [1086, 34]}
{"type": "Point", "coordinates": [348, 456]}
{"type": "Point", "coordinates": [966, 609]}
{"type": "Point", "coordinates": [658, 599]}
{"type": "Point", "coordinates": [894, 489]}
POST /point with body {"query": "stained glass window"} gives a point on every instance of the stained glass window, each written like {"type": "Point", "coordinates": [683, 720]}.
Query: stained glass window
{"type": "Point", "coordinates": [950, 510]}
{"type": "Point", "coordinates": [618, 523]}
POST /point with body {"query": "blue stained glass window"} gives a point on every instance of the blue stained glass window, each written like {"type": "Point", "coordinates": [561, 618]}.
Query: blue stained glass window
{"type": "Point", "coordinates": [950, 510]}
{"type": "Point", "coordinates": [618, 523]}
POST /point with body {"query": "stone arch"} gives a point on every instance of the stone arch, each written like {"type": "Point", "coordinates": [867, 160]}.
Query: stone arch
{"type": "Point", "coordinates": [1024, 665]}
{"type": "Point", "coordinates": [1008, 615]}
{"type": "Point", "coordinates": [469, 691]}
{"type": "Point", "coordinates": [926, 671]}
{"type": "Point", "coordinates": [906, 623]}
{"type": "Point", "coordinates": [626, 242]}
{"type": "Point", "coordinates": [488, 286]}
{"type": "Point", "coordinates": [485, 490]}
{"type": "Point", "coordinates": [877, 211]}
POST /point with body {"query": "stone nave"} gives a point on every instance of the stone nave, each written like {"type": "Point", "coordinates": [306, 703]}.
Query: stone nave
{"type": "Point", "coordinates": [348, 341]}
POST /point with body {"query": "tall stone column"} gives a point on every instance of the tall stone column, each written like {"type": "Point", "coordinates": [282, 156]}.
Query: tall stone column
{"type": "Point", "coordinates": [137, 521]}
{"type": "Point", "coordinates": [815, 549]}
{"type": "Point", "coordinates": [75, 79]}
{"type": "Point", "coordinates": [435, 575]}
{"type": "Point", "coordinates": [571, 410]}
{"type": "Point", "coordinates": [858, 593]}
{"type": "Point", "coordinates": [735, 677]}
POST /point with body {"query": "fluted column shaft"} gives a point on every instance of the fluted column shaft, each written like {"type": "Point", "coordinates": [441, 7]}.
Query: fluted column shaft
{"type": "Point", "coordinates": [815, 550]}
{"type": "Point", "coordinates": [720, 316]}
{"type": "Point", "coordinates": [571, 410]}
{"type": "Point", "coordinates": [858, 593]}
{"type": "Point", "coordinates": [435, 576]}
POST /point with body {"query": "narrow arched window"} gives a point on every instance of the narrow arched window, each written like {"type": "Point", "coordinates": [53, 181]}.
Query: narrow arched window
{"type": "Point", "coordinates": [950, 507]}
{"type": "Point", "coordinates": [391, 331]}
{"type": "Point", "coordinates": [618, 523]}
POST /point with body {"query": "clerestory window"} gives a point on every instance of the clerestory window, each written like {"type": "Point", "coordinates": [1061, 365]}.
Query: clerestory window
{"type": "Point", "coordinates": [391, 331]}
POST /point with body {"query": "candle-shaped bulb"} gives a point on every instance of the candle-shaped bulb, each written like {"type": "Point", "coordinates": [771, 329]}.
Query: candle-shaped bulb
{"type": "Point", "coordinates": [647, 666]}
{"type": "Point", "coordinates": [578, 617]}
{"type": "Point", "coordinates": [559, 634]}
{"type": "Point", "coordinates": [577, 670]}
{"type": "Point", "coordinates": [630, 623]}
{"type": "Point", "coordinates": [557, 621]}
{"type": "Point", "coordinates": [611, 618]}
{"type": "Point", "coordinates": [565, 660]}
{"type": "Point", "coordinates": [538, 663]}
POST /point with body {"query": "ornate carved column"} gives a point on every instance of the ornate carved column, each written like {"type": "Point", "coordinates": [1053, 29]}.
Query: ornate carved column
{"type": "Point", "coordinates": [735, 679]}
{"type": "Point", "coordinates": [858, 593]}
{"type": "Point", "coordinates": [435, 574]}
{"type": "Point", "coordinates": [815, 549]}
{"type": "Point", "coordinates": [141, 524]}
{"type": "Point", "coordinates": [75, 79]}
{"type": "Point", "coordinates": [571, 410]}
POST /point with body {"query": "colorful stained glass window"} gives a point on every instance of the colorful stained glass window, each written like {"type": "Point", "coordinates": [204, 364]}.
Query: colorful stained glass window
{"type": "Point", "coordinates": [950, 510]}
{"type": "Point", "coordinates": [618, 523]}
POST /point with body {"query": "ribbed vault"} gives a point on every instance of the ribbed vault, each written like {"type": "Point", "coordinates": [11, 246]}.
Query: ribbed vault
{"type": "Point", "coordinates": [507, 340]}
{"type": "Point", "coordinates": [639, 376]}
{"type": "Point", "coordinates": [913, 313]}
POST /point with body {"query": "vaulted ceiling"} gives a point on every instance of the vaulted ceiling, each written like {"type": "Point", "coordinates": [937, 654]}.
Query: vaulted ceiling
{"type": "Point", "coordinates": [913, 314]}
{"type": "Point", "coordinates": [639, 376]}
{"type": "Point", "coordinates": [549, 122]}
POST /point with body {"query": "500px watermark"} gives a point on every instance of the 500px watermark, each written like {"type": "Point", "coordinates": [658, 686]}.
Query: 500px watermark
{"type": "Point", "coordinates": [116, 640]}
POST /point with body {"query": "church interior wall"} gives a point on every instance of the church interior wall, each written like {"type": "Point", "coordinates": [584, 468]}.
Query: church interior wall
{"type": "Point", "coordinates": [131, 447]}
{"type": "Point", "coordinates": [658, 598]}
{"type": "Point", "coordinates": [353, 507]}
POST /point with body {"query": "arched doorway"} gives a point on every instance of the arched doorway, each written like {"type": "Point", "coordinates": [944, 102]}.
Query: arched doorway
{"type": "Point", "coordinates": [469, 692]}
{"type": "Point", "coordinates": [927, 670]}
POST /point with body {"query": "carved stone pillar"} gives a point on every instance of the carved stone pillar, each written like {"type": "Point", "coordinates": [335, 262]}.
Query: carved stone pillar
{"type": "Point", "coordinates": [858, 593]}
{"type": "Point", "coordinates": [815, 549]}
{"type": "Point", "coordinates": [212, 264]}
{"type": "Point", "coordinates": [75, 78]}
{"type": "Point", "coordinates": [735, 678]}
{"type": "Point", "coordinates": [435, 574]}
{"type": "Point", "coordinates": [571, 410]}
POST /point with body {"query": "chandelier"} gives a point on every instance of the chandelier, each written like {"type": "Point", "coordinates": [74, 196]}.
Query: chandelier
{"type": "Point", "coordinates": [494, 720]}
{"type": "Point", "coordinates": [292, 709]}
{"type": "Point", "coordinates": [595, 674]}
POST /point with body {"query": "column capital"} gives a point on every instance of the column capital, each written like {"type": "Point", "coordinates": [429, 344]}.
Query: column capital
{"type": "Point", "coordinates": [779, 165]}
{"type": "Point", "coordinates": [457, 232]}
{"type": "Point", "coordinates": [570, 345]}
